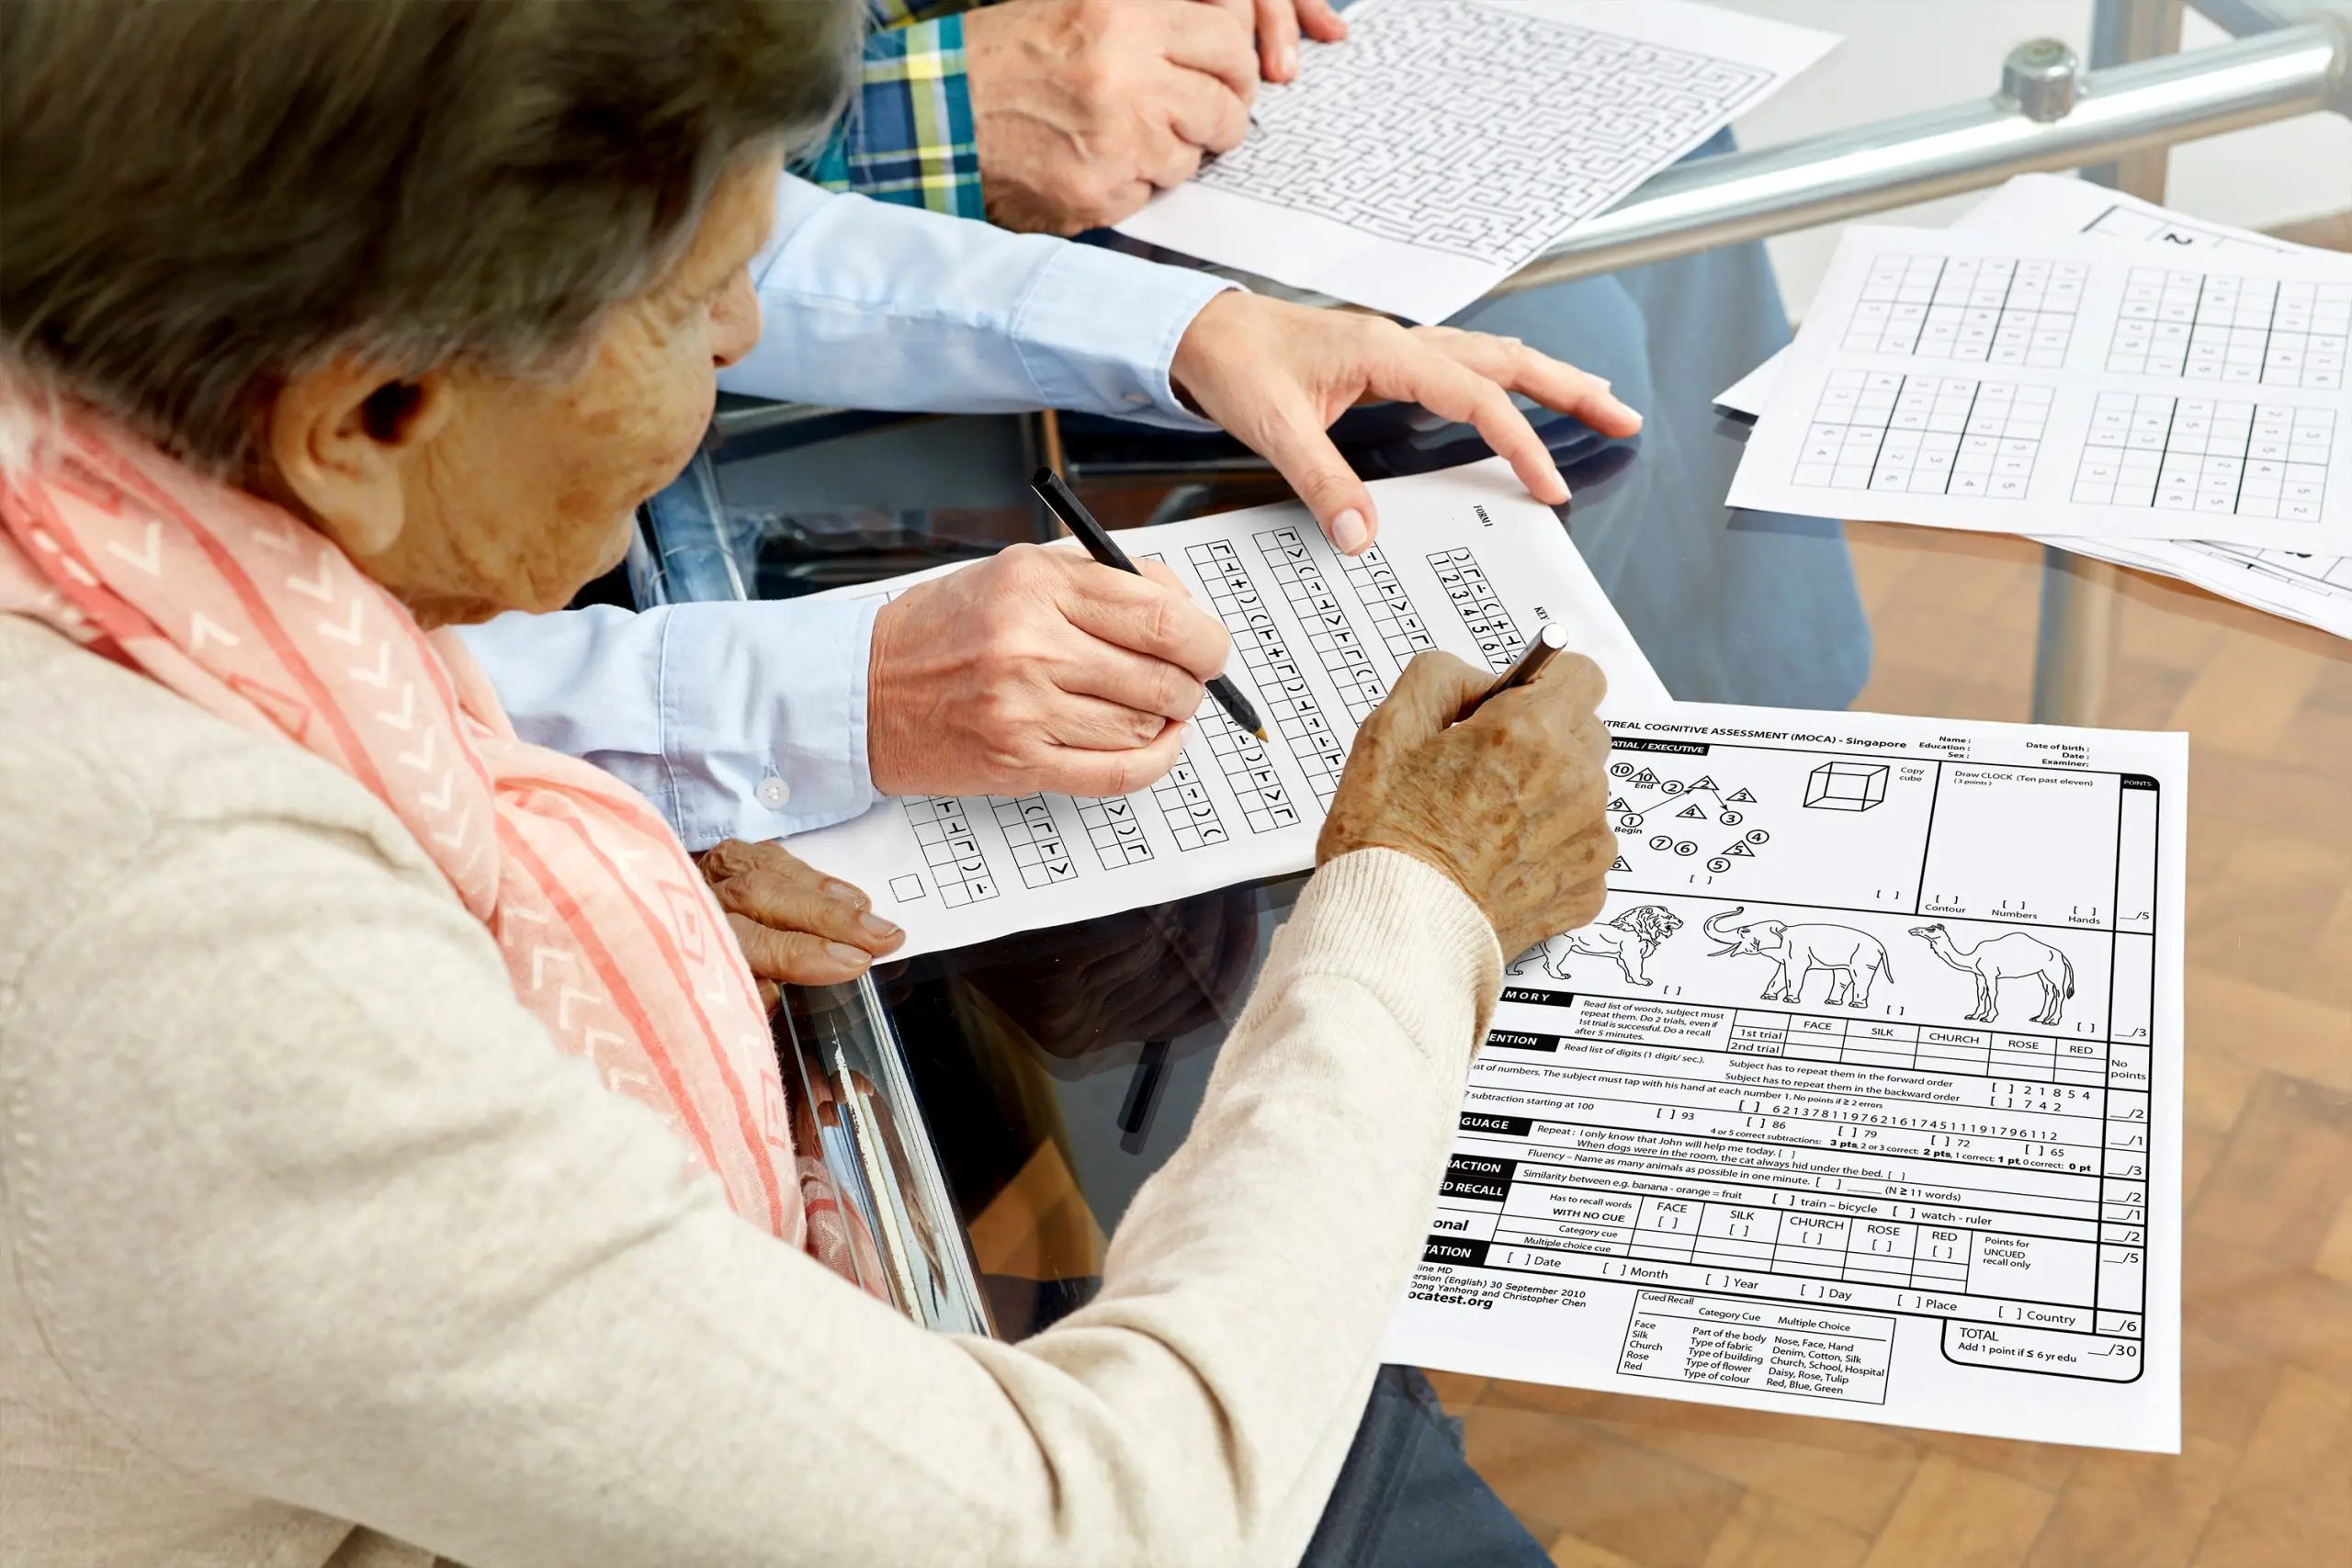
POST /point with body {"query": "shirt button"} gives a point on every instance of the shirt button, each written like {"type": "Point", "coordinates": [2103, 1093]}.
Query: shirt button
{"type": "Point", "coordinates": [773, 794]}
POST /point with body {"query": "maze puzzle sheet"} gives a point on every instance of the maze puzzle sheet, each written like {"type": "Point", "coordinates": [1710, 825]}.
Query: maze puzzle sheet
{"type": "Point", "coordinates": [1464, 563]}
{"type": "Point", "coordinates": [1447, 141]}
{"type": "Point", "coordinates": [2063, 384]}
{"type": "Point", "coordinates": [1861, 1098]}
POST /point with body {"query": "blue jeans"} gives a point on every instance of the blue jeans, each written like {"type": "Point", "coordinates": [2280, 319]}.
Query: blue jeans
{"type": "Point", "coordinates": [1406, 1496]}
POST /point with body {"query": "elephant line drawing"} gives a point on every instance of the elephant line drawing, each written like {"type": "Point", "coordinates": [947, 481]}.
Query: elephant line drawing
{"type": "Point", "coordinates": [1629, 939]}
{"type": "Point", "coordinates": [1855, 960]}
{"type": "Point", "coordinates": [2013, 955]}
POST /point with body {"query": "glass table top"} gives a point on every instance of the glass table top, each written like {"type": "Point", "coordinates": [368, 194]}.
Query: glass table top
{"type": "Point", "coordinates": [1057, 1069]}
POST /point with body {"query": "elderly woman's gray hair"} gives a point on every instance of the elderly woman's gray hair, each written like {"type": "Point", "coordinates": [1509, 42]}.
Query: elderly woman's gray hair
{"type": "Point", "coordinates": [199, 198]}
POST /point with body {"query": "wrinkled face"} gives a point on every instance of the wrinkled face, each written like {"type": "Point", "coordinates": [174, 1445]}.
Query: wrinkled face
{"type": "Point", "coordinates": [524, 491]}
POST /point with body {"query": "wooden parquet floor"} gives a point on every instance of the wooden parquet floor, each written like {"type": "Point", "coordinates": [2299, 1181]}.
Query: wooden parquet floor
{"type": "Point", "coordinates": [2265, 1477]}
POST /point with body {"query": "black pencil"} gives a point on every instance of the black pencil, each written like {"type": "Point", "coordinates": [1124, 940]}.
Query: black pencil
{"type": "Point", "coordinates": [1102, 548]}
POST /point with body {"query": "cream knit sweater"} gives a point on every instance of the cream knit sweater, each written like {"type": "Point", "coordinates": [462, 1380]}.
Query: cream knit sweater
{"type": "Point", "coordinates": [315, 1246]}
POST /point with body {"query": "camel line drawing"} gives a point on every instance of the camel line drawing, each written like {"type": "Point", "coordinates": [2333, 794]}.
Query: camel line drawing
{"type": "Point", "coordinates": [1854, 959]}
{"type": "Point", "coordinates": [2013, 955]}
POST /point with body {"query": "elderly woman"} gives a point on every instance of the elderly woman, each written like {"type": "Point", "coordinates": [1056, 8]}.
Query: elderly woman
{"type": "Point", "coordinates": [393, 1160]}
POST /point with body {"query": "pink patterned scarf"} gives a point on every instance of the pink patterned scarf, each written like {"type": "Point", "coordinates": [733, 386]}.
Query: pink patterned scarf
{"type": "Point", "coordinates": [609, 933]}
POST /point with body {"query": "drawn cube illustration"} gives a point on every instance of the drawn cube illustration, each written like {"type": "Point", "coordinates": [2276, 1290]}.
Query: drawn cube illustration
{"type": "Point", "coordinates": [1846, 786]}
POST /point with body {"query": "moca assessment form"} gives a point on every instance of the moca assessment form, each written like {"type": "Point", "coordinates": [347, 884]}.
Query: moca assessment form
{"type": "Point", "coordinates": [1862, 1097]}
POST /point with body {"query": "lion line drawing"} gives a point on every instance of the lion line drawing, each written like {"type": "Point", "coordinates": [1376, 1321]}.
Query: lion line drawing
{"type": "Point", "coordinates": [1629, 939]}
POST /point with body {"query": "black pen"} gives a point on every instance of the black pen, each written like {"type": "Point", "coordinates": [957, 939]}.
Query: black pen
{"type": "Point", "coordinates": [1102, 548]}
{"type": "Point", "coordinates": [1551, 637]}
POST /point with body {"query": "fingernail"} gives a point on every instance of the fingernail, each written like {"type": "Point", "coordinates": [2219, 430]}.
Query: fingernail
{"type": "Point", "coordinates": [877, 928]}
{"type": "Point", "coordinates": [843, 893]}
{"type": "Point", "coordinates": [842, 952]}
{"type": "Point", "coordinates": [1348, 532]}
{"type": "Point", "coordinates": [1290, 61]}
{"type": "Point", "coordinates": [1558, 484]}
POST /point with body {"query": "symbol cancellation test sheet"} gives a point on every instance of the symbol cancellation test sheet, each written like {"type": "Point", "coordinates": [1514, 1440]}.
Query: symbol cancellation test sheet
{"type": "Point", "coordinates": [1861, 1098]}
{"type": "Point", "coordinates": [1466, 561]}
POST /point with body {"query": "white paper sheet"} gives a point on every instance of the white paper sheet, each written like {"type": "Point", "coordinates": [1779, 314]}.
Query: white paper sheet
{"type": "Point", "coordinates": [1465, 561]}
{"type": "Point", "coordinates": [1912, 1157]}
{"type": "Point", "coordinates": [2314, 589]}
{"type": "Point", "coordinates": [1748, 396]}
{"type": "Point", "coordinates": [2044, 384]}
{"type": "Point", "coordinates": [1420, 161]}
{"type": "Point", "coordinates": [2058, 204]}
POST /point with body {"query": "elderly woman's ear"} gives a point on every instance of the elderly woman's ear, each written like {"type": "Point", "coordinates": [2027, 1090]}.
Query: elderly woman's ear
{"type": "Point", "coordinates": [344, 442]}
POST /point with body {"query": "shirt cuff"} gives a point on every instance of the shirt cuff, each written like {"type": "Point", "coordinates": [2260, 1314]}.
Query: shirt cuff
{"type": "Point", "coordinates": [764, 718]}
{"type": "Point", "coordinates": [1098, 330]}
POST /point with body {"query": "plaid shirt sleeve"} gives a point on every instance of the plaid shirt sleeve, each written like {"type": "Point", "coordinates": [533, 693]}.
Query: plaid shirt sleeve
{"type": "Point", "coordinates": [907, 135]}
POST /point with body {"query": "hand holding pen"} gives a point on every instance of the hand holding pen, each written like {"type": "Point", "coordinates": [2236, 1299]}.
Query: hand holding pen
{"type": "Point", "coordinates": [1065, 505]}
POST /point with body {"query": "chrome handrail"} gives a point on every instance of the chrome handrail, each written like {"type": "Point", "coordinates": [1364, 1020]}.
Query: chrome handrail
{"type": "Point", "coordinates": [1748, 196]}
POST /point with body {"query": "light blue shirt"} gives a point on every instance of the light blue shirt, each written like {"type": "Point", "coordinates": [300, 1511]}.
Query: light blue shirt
{"type": "Point", "coordinates": [748, 720]}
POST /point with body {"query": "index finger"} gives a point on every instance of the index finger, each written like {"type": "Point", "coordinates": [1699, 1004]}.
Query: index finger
{"type": "Point", "coordinates": [1452, 390]}
{"type": "Point", "coordinates": [1202, 112]}
{"type": "Point", "coordinates": [1207, 38]}
{"type": "Point", "coordinates": [1146, 615]}
{"type": "Point", "coordinates": [1435, 687]}
{"type": "Point", "coordinates": [1278, 38]}
{"type": "Point", "coordinates": [1566, 692]}
{"type": "Point", "coordinates": [1552, 383]}
{"type": "Point", "coordinates": [1573, 680]}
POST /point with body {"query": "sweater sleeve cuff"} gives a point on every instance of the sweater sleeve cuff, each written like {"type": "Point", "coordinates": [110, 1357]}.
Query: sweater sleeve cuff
{"type": "Point", "coordinates": [1409, 935]}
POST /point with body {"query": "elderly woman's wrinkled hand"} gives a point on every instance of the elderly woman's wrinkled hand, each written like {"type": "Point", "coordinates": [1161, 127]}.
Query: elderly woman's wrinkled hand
{"type": "Point", "coordinates": [1508, 802]}
{"type": "Point", "coordinates": [796, 925]}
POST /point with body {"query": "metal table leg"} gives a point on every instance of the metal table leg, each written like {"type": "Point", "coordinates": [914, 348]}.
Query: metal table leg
{"type": "Point", "coordinates": [2076, 644]}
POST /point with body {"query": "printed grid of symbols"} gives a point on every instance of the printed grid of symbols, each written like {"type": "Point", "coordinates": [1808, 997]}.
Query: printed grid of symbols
{"type": "Point", "coordinates": [1481, 608]}
{"type": "Point", "coordinates": [951, 849]}
{"type": "Point", "coordinates": [1185, 804]}
{"type": "Point", "coordinates": [1395, 618]}
{"type": "Point", "coordinates": [1191, 811]}
{"type": "Point", "coordinates": [1291, 705]}
{"type": "Point", "coordinates": [1248, 764]}
{"type": "Point", "coordinates": [2245, 459]}
{"type": "Point", "coordinates": [1395, 134]}
{"type": "Point", "coordinates": [2208, 326]}
{"type": "Point", "coordinates": [1115, 830]}
{"type": "Point", "coordinates": [1925, 435]}
{"type": "Point", "coordinates": [1330, 633]}
{"type": "Point", "coordinates": [1980, 309]}
{"type": "Point", "coordinates": [1036, 840]}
